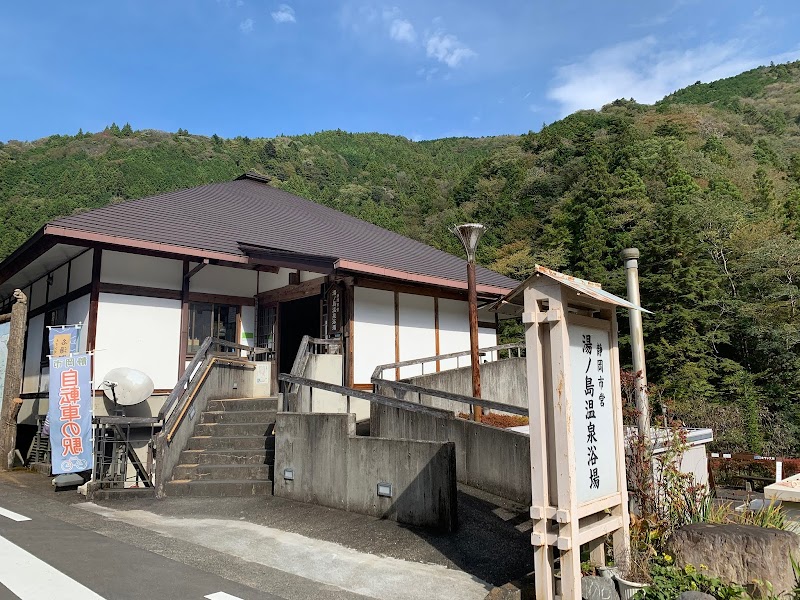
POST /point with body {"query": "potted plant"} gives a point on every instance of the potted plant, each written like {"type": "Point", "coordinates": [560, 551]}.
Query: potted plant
{"type": "Point", "coordinates": [632, 574]}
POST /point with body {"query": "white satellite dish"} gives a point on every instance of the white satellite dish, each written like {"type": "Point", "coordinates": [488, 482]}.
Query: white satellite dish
{"type": "Point", "coordinates": [126, 387]}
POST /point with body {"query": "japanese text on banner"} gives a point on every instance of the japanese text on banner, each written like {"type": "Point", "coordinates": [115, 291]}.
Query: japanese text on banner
{"type": "Point", "coordinates": [70, 413]}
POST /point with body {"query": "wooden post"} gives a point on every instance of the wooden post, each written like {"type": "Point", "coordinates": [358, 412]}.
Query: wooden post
{"type": "Point", "coordinates": [472, 301]}
{"type": "Point", "coordinates": [13, 381]}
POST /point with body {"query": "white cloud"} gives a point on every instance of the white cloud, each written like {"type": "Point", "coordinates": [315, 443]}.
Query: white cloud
{"type": "Point", "coordinates": [284, 14]}
{"type": "Point", "coordinates": [642, 69]}
{"type": "Point", "coordinates": [246, 26]}
{"type": "Point", "coordinates": [401, 30]}
{"type": "Point", "coordinates": [446, 48]}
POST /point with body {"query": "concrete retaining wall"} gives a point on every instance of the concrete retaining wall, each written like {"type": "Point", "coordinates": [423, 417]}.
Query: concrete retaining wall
{"type": "Point", "coordinates": [333, 467]}
{"type": "Point", "coordinates": [502, 381]}
{"type": "Point", "coordinates": [488, 458]}
{"type": "Point", "coordinates": [224, 380]}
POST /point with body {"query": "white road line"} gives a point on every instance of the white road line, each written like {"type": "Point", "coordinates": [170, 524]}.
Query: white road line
{"type": "Point", "coordinates": [10, 514]}
{"type": "Point", "coordinates": [221, 596]}
{"type": "Point", "coordinates": [33, 579]}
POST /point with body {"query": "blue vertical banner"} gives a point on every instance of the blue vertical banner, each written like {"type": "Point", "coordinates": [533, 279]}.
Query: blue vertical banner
{"type": "Point", "coordinates": [64, 339]}
{"type": "Point", "coordinates": [70, 413]}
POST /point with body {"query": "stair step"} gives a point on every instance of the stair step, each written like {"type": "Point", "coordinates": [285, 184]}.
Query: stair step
{"type": "Point", "coordinates": [222, 472]}
{"type": "Point", "coordinates": [234, 429]}
{"type": "Point", "coordinates": [218, 488]}
{"type": "Point", "coordinates": [226, 456]}
{"type": "Point", "coordinates": [204, 442]}
{"type": "Point", "coordinates": [236, 404]}
{"type": "Point", "coordinates": [238, 416]}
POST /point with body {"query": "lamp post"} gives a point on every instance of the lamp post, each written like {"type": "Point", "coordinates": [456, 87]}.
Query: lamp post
{"type": "Point", "coordinates": [470, 234]}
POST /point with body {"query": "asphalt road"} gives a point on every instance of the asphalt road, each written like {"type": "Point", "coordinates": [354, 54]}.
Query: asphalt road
{"type": "Point", "coordinates": [42, 557]}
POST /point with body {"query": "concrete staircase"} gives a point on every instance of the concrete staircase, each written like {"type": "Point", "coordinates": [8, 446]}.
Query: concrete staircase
{"type": "Point", "coordinates": [232, 452]}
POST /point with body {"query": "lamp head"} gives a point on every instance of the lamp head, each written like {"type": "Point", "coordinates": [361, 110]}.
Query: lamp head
{"type": "Point", "coordinates": [469, 234]}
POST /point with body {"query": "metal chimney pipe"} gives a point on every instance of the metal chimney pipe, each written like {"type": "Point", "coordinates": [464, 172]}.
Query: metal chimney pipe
{"type": "Point", "coordinates": [630, 258]}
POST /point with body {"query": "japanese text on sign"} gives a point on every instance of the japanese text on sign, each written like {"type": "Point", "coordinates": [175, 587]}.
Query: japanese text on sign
{"type": "Point", "coordinates": [592, 413]}
{"type": "Point", "coordinates": [69, 413]}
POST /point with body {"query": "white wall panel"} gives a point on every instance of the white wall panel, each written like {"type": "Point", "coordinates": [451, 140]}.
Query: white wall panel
{"type": "Point", "coordinates": [137, 269]}
{"type": "Point", "coordinates": [141, 333]}
{"type": "Point", "coordinates": [486, 338]}
{"type": "Point", "coordinates": [33, 355]}
{"type": "Point", "coordinates": [38, 293]}
{"type": "Point", "coordinates": [247, 337]}
{"type": "Point", "coordinates": [373, 332]}
{"type": "Point", "coordinates": [417, 332]}
{"type": "Point", "coordinates": [213, 279]}
{"type": "Point", "coordinates": [81, 270]}
{"type": "Point", "coordinates": [59, 286]}
{"type": "Point", "coordinates": [273, 281]}
{"type": "Point", "coordinates": [453, 332]}
{"type": "Point", "coordinates": [78, 312]}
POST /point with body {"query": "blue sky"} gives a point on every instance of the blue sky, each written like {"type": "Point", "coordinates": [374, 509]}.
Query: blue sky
{"type": "Point", "coordinates": [421, 69]}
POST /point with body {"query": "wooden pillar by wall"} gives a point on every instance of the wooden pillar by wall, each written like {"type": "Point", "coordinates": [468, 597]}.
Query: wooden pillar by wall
{"type": "Point", "coordinates": [183, 344]}
{"type": "Point", "coordinates": [13, 380]}
{"type": "Point", "coordinates": [397, 333]}
{"type": "Point", "coordinates": [349, 333]}
{"type": "Point", "coordinates": [436, 328]}
{"type": "Point", "coordinates": [94, 297]}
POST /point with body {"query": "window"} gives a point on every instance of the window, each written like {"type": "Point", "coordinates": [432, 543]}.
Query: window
{"type": "Point", "coordinates": [215, 320]}
{"type": "Point", "coordinates": [57, 316]}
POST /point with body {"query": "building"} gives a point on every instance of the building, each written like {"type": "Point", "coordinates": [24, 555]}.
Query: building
{"type": "Point", "coordinates": [150, 279]}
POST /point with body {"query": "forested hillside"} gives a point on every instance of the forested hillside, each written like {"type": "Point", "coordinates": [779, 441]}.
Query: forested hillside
{"type": "Point", "coordinates": [706, 183]}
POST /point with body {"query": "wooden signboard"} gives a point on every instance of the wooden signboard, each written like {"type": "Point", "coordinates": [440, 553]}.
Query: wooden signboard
{"type": "Point", "coordinates": [579, 492]}
{"type": "Point", "coordinates": [334, 302]}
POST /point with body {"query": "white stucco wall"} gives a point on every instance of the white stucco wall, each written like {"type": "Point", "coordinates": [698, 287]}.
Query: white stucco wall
{"type": "Point", "coordinates": [373, 332]}
{"type": "Point", "coordinates": [59, 285]}
{"type": "Point", "coordinates": [81, 271]}
{"type": "Point", "coordinates": [141, 333]}
{"type": "Point", "coordinates": [453, 332]}
{"type": "Point", "coordinates": [417, 320]}
{"type": "Point", "coordinates": [213, 279]}
{"type": "Point", "coordinates": [78, 312]}
{"type": "Point", "coordinates": [247, 336]}
{"type": "Point", "coordinates": [38, 293]}
{"type": "Point", "coordinates": [33, 355]}
{"type": "Point", "coordinates": [141, 270]}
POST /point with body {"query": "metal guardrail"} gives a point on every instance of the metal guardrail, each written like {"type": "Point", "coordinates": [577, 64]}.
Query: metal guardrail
{"type": "Point", "coordinates": [515, 348]}
{"type": "Point", "coordinates": [204, 352]}
{"type": "Point", "coordinates": [308, 346]}
{"type": "Point", "coordinates": [404, 387]}
{"type": "Point", "coordinates": [364, 395]}
{"type": "Point", "coordinates": [401, 386]}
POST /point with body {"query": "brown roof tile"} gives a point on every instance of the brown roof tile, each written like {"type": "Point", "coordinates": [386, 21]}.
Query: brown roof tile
{"type": "Point", "coordinates": [221, 216]}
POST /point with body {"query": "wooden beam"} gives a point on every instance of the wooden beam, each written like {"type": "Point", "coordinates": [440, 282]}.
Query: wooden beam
{"type": "Point", "coordinates": [183, 342]}
{"type": "Point", "coordinates": [436, 328]}
{"type": "Point", "coordinates": [404, 288]}
{"type": "Point", "coordinates": [293, 292]}
{"type": "Point", "coordinates": [138, 290]}
{"type": "Point", "coordinates": [349, 332]}
{"type": "Point", "coordinates": [94, 296]}
{"type": "Point", "coordinates": [397, 332]}
{"type": "Point", "coordinates": [65, 299]}
{"type": "Point", "coordinates": [199, 267]}
{"type": "Point", "coordinates": [221, 299]}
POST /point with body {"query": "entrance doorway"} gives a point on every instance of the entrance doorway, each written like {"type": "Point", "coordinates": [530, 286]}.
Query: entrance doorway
{"type": "Point", "coordinates": [296, 319]}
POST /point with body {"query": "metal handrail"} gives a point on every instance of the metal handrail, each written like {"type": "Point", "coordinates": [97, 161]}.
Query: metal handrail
{"type": "Point", "coordinates": [364, 395]}
{"type": "Point", "coordinates": [376, 374]}
{"type": "Point", "coordinates": [422, 391]}
{"type": "Point", "coordinates": [199, 357]}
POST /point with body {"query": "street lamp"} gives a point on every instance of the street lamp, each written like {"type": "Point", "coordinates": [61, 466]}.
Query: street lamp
{"type": "Point", "coordinates": [470, 234]}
